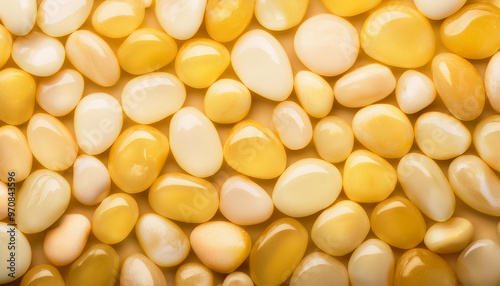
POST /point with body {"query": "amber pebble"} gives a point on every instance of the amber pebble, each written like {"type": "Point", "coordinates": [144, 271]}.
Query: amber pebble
{"type": "Point", "coordinates": [43, 275]}
{"type": "Point", "coordinates": [98, 266]}
{"type": "Point", "coordinates": [237, 279]}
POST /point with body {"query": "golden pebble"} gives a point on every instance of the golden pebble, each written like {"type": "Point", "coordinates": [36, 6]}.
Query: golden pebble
{"type": "Point", "coordinates": [449, 236]}
{"type": "Point", "coordinates": [226, 20]}
{"type": "Point", "coordinates": [43, 275]}
{"type": "Point", "coordinates": [333, 139]}
{"type": "Point", "coordinates": [193, 274]}
{"type": "Point", "coordinates": [351, 7]}
{"type": "Point", "coordinates": [118, 18]}
{"type": "Point", "coordinates": [97, 266]}
{"type": "Point", "coordinates": [17, 96]}
{"type": "Point", "coordinates": [227, 101]}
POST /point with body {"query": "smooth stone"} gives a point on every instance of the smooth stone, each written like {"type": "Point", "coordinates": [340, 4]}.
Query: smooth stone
{"type": "Point", "coordinates": [319, 269]}
{"type": "Point", "coordinates": [368, 178]}
{"type": "Point", "coordinates": [227, 101]}
{"type": "Point", "coordinates": [115, 218]}
{"type": "Point", "coordinates": [364, 86]}
{"type": "Point", "coordinates": [138, 270]}
{"type": "Point", "coordinates": [5, 45]}
{"type": "Point", "coordinates": [350, 8]}
{"type": "Point", "coordinates": [396, 21]}
{"type": "Point", "coordinates": [18, 16]}
{"type": "Point", "coordinates": [137, 157]}
{"type": "Point", "coordinates": [244, 202]}
{"type": "Point", "coordinates": [195, 143]}
{"type": "Point", "coordinates": [146, 50]}
{"type": "Point", "coordinates": [449, 236]}
{"type": "Point", "coordinates": [237, 279]}
{"type": "Point", "coordinates": [193, 274]}
{"type": "Point", "coordinates": [183, 198]}
{"type": "Point", "coordinates": [314, 93]}
{"type": "Point", "coordinates": [372, 264]}
{"type": "Point", "coordinates": [333, 139]}
{"type": "Point", "coordinates": [327, 44]}
{"type": "Point", "coordinates": [264, 156]}
{"type": "Point", "coordinates": [306, 187]}
{"type": "Point", "coordinates": [491, 82]}
{"type": "Point", "coordinates": [420, 266]}
{"type": "Point", "coordinates": [93, 57]}
{"type": "Point", "coordinates": [97, 266]}
{"type": "Point", "coordinates": [152, 97]}
{"type": "Point", "coordinates": [478, 264]}
{"type": "Point", "coordinates": [292, 125]}
{"type": "Point", "coordinates": [487, 139]}
{"type": "Point", "coordinates": [426, 186]}
{"type": "Point", "coordinates": [384, 130]}
{"type": "Point", "coordinates": [4, 200]}
{"type": "Point", "coordinates": [42, 199]}
{"type": "Point", "coordinates": [476, 184]}
{"type": "Point", "coordinates": [17, 96]}
{"type": "Point", "coordinates": [91, 181]}
{"type": "Point", "coordinates": [459, 85]}
{"type": "Point", "coordinates": [341, 228]}
{"type": "Point", "coordinates": [181, 19]}
{"type": "Point", "coordinates": [277, 252]}
{"type": "Point", "coordinates": [98, 122]}
{"type": "Point", "coordinates": [118, 18]}
{"type": "Point", "coordinates": [438, 10]}
{"type": "Point", "coordinates": [280, 15]}
{"type": "Point", "coordinates": [261, 63]}
{"type": "Point", "coordinates": [228, 247]}
{"type": "Point", "coordinates": [22, 253]}
{"type": "Point", "coordinates": [60, 93]}
{"type": "Point", "coordinates": [51, 142]}
{"type": "Point", "coordinates": [398, 222]}
{"type": "Point", "coordinates": [65, 242]}
{"type": "Point", "coordinates": [225, 21]}
{"type": "Point", "coordinates": [59, 18]}
{"type": "Point", "coordinates": [43, 275]}
{"type": "Point", "coordinates": [162, 241]}
{"type": "Point", "coordinates": [15, 153]}
{"type": "Point", "coordinates": [498, 229]}
{"type": "Point", "coordinates": [414, 91]}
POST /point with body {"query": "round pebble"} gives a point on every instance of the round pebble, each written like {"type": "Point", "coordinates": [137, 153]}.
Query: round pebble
{"type": "Point", "coordinates": [237, 278]}
{"type": "Point", "coordinates": [414, 91]}
{"type": "Point", "coordinates": [96, 266]}
{"type": "Point", "coordinates": [18, 16]}
{"type": "Point", "coordinates": [227, 101]}
{"type": "Point", "coordinates": [17, 96]}
{"type": "Point", "coordinates": [333, 139]}
{"type": "Point", "coordinates": [314, 93]}
{"type": "Point", "coordinates": [191, 274]}
{"type": "Point", "coordinates": [43, 274]}
{"type": "Point", "coordinates": [225, 21]}
{"type": "Point", "coordinates": [91, 181]}
{"type": "Point", "coordinates": [319, 269]}
{"type": "Point", "coordinates": [491, 82]}
{"type": "Point", "coordinates": [292, 125]}
{"type": "Point", "coordinates": [350, 8]}
{"type": "Point", "coordinates": [372, 263]}
{"type": "Point", "coordinates": [449, 236]}
{"type": "Point", "coordinates": [5, 45]}
{"type": "Point", "coordinates": [180, 19]}
{"type": "Point", "coordinates": [65, 19]}
{"type": "Point", "coordinates": [487, 139]}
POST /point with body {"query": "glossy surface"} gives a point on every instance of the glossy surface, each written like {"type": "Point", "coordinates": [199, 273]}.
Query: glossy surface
{"type": "Point", "coordinates": [91, 181]}
{"type": "Point", "coordinates": [487, 139]}
{"type": "Point", "coordinates": [17, 96]}
{"type": "Point", "coordinates": [118, 18]}
{"type": "Point", "coordinates": [281, 14]}
{"type": "Point", "coordinates": [314, 93]}
{"type": "Point", "coordinates": [477, 264]}
{"type": "Point", "coordinates": [15, 153]}
{"type": "Point", "coordinates": [414, 91]}
{"type": "Point", "coordinates": [319, 269]}
{"type": "Point", "coordinates": [292, 125]}
{"type": "Point", "coordinates": [180, 18]}
{"type": "Point", "coordinates": [333, 139]}
{"type": "Point", "coordinates": [227, 101]}
{"type": "Point", "coordinates": [18, 16]}
{"type": "Point", "coordinates": [226, 20]}
{"type": "Point", "coordinates": [237, 278]}
{"type": "Point", "coordinates": [97, 266]}
{"type": "Point", "coordinates": [22, 253]}
{"type": "Point", "coordinates": [437, 10]}
{"type": "Point", "coordinates": [5, 45]}
{"type": "Point", "coordinates": [4, 200]}
{"type": "Point", "coordinates": [64, 20]}
{"type": "Point", "coordinates": [42, 275]}
{"type": "Point", "coordinates": [138, 270]}
{"type": "Point", "coordinates": [372, 263]}
{"type": "Point", "coordinates": [193, 274]}
{"type": "Point", "coordinates": [350, 8]}
{"type": "Point", "coordinates": [492, 80]}
{"type": "Point", "coordinates": [449, 236]}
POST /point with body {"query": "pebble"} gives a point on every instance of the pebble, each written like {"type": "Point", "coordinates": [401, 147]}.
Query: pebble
{"type": "Point", "coordinates": [15, 153]}
{"type": "Point", "coordinates": [98, 122]}
{"type": "Point", "coordinates": [181, 19]}
{"type": "Point", "coordinates": [93, 57]}
{"type": "Point", "coordinates": [195, 143]}
{"type": "Point", "coordinates": [152, 97]}
{"type": "Point", "coordinates": [227, 101]}
{"type": "Point", "coordinates": [449, 236]}
{"type": "Point", "coordinates": [372, 264]}
{"type": "Point", "coordinates": [364, 86]}
{"type": "Point", "coordinates": [66, 241]}
{"type": "Point", "coordinates": [17, 96]}
{"type": "Point", "coordinates": [333, 139]}
{"type": "Point", "coordinates": [43, 275]}
{"type": "Point", "coordinates": [18, 16]}
{"type": "Point", "coordinates": [327, 44]}
{"type": "Point", "coordinates": [4, 200]}
{"type": "Point", "coordinates": [476, 184]}
{"type": "Point", "coordinates": [341, 228]}
{"type": "Point", "coordinates": [225, 21]}
{"type": "Point", "coordinates": [118, 18]}
{"type": "Point", "coordinates": [292, 125]}
{"type": "Point", "coordinates": [280, 15]}
{"type": "Point", "coordinates": [396, 21]}
{"type": "Point", "coordinates": [491, 82]}
{"type": "Point", "coordinates": [60, 93]}
{"type": "Point", "coordinates": [438, 10]}
{"type": "Point", "coordinates": [137, 157]}
{"type": "Point", "coordinates": [319, 269]}
{"type": "Point", "coordinates": [350, 8]}
{"type": "Point", "coordinates": [478, 264]}
{"type": "Point", "coordinates": [42, 200]}
{"type": "Point", "coordinates": [59, 18]}
{"type": "Point", "coordinates": [244, 202]}
{"type": "Point", "coordinates": [306, 187]}
{"type": "Point", "coordinates": [278, 251]}
{"type": "Point", "coordinates": [384, 130]}
{"type": "Point", "coordinates": [459, 85]}
{"type": "Point", "coordinates": [97, 266]}
{"type": "Point", "coordinates": [237, 278]}
{"type": "Point", "coordinates": [487, 139]}
{"type": "Point", "coordinates": [91, 181]}
{"type": "Point", "coordinates": [368, 178]}
{"type": "Point", "coordinates": [22, 253]}
{"type": "Point", "coordinates": [138, 270]}
{"type": "Point", "coordinates": [261, 63]}
{"type": "Point", "coordinates": [5, 45]}
{"type": "Point", "coordinates": [193, 274]}
{"type": "Point", "coordinates": [264, 156]}
{"type": "Point", "coordinates": [314, 93]}
{"type": "Point", "coordinates": [183, 198]}
{"type": "Point", "coordinates": [414, 91]}
{"type": "Point", "coordinates": [162, 241]}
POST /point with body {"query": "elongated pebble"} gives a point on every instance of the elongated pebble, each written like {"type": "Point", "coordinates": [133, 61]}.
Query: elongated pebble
{"type": "Point", "coordinates": [292, 124]}
{"type": "Point", "coordinates": [314, 93]}
{"type": "Point", "coordinates": [138, 270]}
{"type": "Point", "coordinates": [22, 253]}
{"type": "Point", "coordinates": [181, 19]}
{"type": "Point", "coordinates": [492, 81]}
{"type": "Point", "coordinates": [43, 274]}
{"type": "Point", "coordinates": [350, 8]}
{"type": "Point", "coordinates": [4, 200]}
{"type": "Point", "coordinates": [414, 91]}
{"type": "Point", "coordinates": [449, 236]}
{"type": "Point", "coordinates": [18, 16]}
{"type": "Point", "coordinates": [98, 265]}
{"type": "Point", "coordinates": [486, 139]}
{"type": "Point", "coordinates": [319, 269]}
{"type": "Point", "coordinates": [190, 274]}
{"type": "Point", "coordinates": [91, 181]}
{"type": "Point", "coordinates": [477, 264]}
{"type": "Point", "coordinates": [372, 263]}
{"type": "Point", "coordinates": [17, 96]}
{"type": "Point", "coordinates": [15, 153]}
{"type": "Point", "coordinates": [59, 18]}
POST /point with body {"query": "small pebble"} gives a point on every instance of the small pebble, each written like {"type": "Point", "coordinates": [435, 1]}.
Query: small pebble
{"type": "Point", "coordinates": [333, 139]}
{"type": "Point", "coordinates": [17, 96]}
{"type": "Point", "coordinates": [5, 45]}
{"type": "Point", "coordinates": [118, 18]}
{"type": "Point", "coordinates": [91, 181]}
{"type": "Point", "coordinates": [492, 80]}
{"type": "Point", "coordinates": [438, 10]}
{"type": "Point", "coordinates": [15, 153]}
{"type": "Point", "coordinates": [4, 200]}
{"type": "Point", "coordinates": [350, 8]}
{"type": "Point", "coordinates": [372, 264]}
{"type": "Point", "coordinates": [292, 125]}
{"type": "Point", "coordinates": [225, 21]}
{"type": "Point", "coordinates": [22, 253]}
{"type": "Point", "coordinates": [43, 275]}
{"type": "Point", "coordinates": [314, 93]}
{"type": "Point", "coordinates": [237, 279]}
{"type": "Point", "coordinates": [193, 274]}
{"type": "Point", "coordinates": [414, 91]}
{"type": "Point", "coordinates": [227, 101]}
{"type": "Point", "coordinates": [138, 270]}
{"type": "Point", "coordinates": [487, 139]}
{"type": "Point", "coordinates": [18, 16]}
{"type": "Point", "coordinates": [181, 19]}
{"type": "Point", "coordinates": [281, 14]}
{"type": "Point", "coordinates": [449, 236]}
{"type": "Point", "coordinates": [319, 269]}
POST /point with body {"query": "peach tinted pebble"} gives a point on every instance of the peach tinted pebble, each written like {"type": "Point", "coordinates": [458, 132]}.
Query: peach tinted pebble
{"type": "Point", "coordinates": [91, 181]}
{"type": "Point", "coordinates": [15, 153]}
{"type": "Point", "coordinates": [292, 125]}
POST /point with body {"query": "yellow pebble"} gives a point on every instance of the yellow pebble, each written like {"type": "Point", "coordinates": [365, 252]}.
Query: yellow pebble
{"type": "Point", "coordinates": [238, 278]}
{"type": "Point", "coordinates": [118, 18]}
{"type": "Point", "coordinates": [372, 264]}
{"type": "Point", "coordinates": [227, 101]}
{"type": "Point", "coordinates": [449, 236]}
{"type": "Point", "coordinates": [351, 7]}
{"type": "Point", "coordinates": [138, 270]}
{"type": "Point", "coordinates": [15, 153]}
{"type": "Point", "coordinates": [97, 266]}
{"type": "Point", "coordinates": [487, 139]}
{"type": "Point", "coordinates": [226, 20]}
{"type": "Point", "coordinates": [314, 93]}
{"type": "Point", "coordinates": [4, 200]}
{"type": "Point", "coordinates": [193, 274]}
{"type": "Point", "coordinates": [5, 45]}
{"type": "Point", "coordinates": [17, 96]}
{"type": "Point", "coordinates": [333, 139]}
{"type": "Point", "coordinates": [200, 62]}
{"type": "Point", "coordinates": [146, 50]}
{"type": "Point", "coordinates": [279, 15]}
{"type": "Point", "coordinates": [319, 269]}
{"type": "Point", "coordinates": [43, 275]}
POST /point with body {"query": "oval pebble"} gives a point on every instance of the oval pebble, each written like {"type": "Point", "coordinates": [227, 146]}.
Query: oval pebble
{"type": "Point", "coordinates": [225, 21]}
{"type": "Point", "coordinates": [96, 266]}
{"type": "Point", "coordinates": [237, 279]}
{"type": "Point", "coordinates": [438, 10]}
{"type": "Point", "coordinates": [17, 96]}
{"type": "Point", "coordinates": [5, 45]}
{"type": "Point", "coordinates": [477, 264]}
{"type": "Point", "coordinates": [319, 269]}
{"type": "Point", "coordinates": [22, 253]}
{"type": "Point", "coordinates": [414, 91]}
{"type": "Point", "coordinates": [491, 82]}
{"type": "Point", "coordinates": [292, 125]}
{"type": "Point", "coordinates": [138, 270]}
{"type": "Point", "coordinates": [181, 19]}
{"type": "Point", "coordinates": [15, 153]}
{"type": "Point", "coordinates": [449, 236]}
{"type": "Point", "coordinates": [18, 16]}
{"type": "Point", "coordinates": [333, 139]}
{"type": "Point", "coordinates": [227, 101]}
{"type": "Point", "coordinates": [59, 18]}
{"type": "Point", "coordinates": [487, 139]}
{"type": "Point", "coordinates": [190, 274]}
{"type": "Point", "coordinates": [314, 93]}
{"type": "Point", "coordinates": [372, 264]}
{"type": "Point", "coordinates": [280, 15]}
{"type": "Point", "coordinates": [41, 275]}
{"type": "Point", "coordinates": [4, 200]}
{"type": "Point", "coordinates": [91, 181]}
{"type": "Point", "coordinates": [118, 18]}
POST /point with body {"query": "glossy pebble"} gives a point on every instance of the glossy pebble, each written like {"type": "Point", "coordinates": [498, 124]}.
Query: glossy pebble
{"type": "Point", "coordinates": [487, 139]}
{"type": "Point", "coordinates": [314, 93]}
{"type": "Point", "coordinates": [281, 14]}
{"type": "Point", "coordinates": [59, 18]}
{"type": "Point", "coordinates": [22, 253]}
{"type": "Point", "coordinates": [17, 96]}
{"type": "Point", "coordinates": [118, 18]}
{"type": "Point", "coordinates": [477, 264]}
{"type": "Point", "coordinates": [225, 21]}
{"type": "Point", "coordinates": [227, 101]}
{"type": "Point", "coordinates": [15, 153]}
{"type": "Point", "coordinates": [18, 16]}
{"type": "Point", "coordinates": [372, 263]}
{"type": "Point", "coordinates": [292, 124]}
{"type": "Point", "coordinates": [181, 19]}
{"type": "Point", "coordinates": [414, 91]}
{"type": "Point", "coordinates": [4, 200]}
{"type": "Point", "coordinates": [43, 275]}
{"type": "Point", "coordinates": [333, 139]}
{"type": "Point", "coordinates": [492, 82]}
{"type": "Point", "coordinates": [96, 266]}
{"type": "Point", "coordinates": [237, 278]}
{"type": "Point", "coordinates": [449, 236]}
{"type": "Point", "coordinates": [350, 8]}
{"type": "Point", "coordinates": [91, 181]}
{"type": "Point", "coordinates": [319, 269]}
{"type": "Point", "coordinates": [191, 274]}
{"type": "Point", "coordinates": [438, 10]}
{"type": "Point", "coordinates": [5, 45]}
{"type": "Point", "coordinates": [138, 270]}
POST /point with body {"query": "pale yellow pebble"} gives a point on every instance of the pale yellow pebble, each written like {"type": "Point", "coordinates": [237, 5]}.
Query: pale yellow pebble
{"type": "Point", "coordinates": [384, 130]}
{"type": "Point", "coordinates": [147, 3]}
{"type": "Point", "coordinates": [350, 8]}
{"type": "Point", "coordinates": [93, 57]}
{"type": "Point", "coordinates": [59, 18]}
{"type": "Point", "coordinates": [162, 241]}
{"type": "Point", "coordinates": [66, 241]}
{"type": "Point", "coordinates": [327, 44]}
{"type": "Point", "coordinates": [227, 101]}
{"type": "Point", "coordinates": [314, 93]}
{"type": "Point", "coordinates": [476, 184]}
{"type": "Point", "coordinates": [138, 270]}
{"type": "Point", "coordinates": [449, 236]}
{"type": "Point", "coordinates": [60, 93]}
{"type": "Point", "coordinates": [477, 265]}
{"type": "Point", "coordinates": [372, 264]}
{"type": "Point", "coordinates": [237, 279]}
{"type": "Point", "coordinates": [319, 269]}
{"type": "Point", "coordinates": [91, 181]}
{"type": "Point", "coordinates": [43, 275]}
{"type": "Point", "coordinates": [17, 96]}
{"type": "Point", "coordinates": [414, 91]}
{"type": "Point", "coordinates": [440, 9]}
{"type": "Point", "coordinates": [97, 266]}
{"type": "Point", "coordinates": [22, 253]}
{"type": "Point", "coordinates": [292, 125]}
{"type": "Point", "coordinates": [5, 45]}
{"type": "Point", "coordinates": [193, 274]}
{"type": "Point", "coordinates": [279, 15]}
{"type": "Point", "coordinates": [41, 201]}
{"type": "Point", "coordinates": [226, 20]}
{"type": "Point", "coordinates": [487, 139]}
{"type": "Point", "coordinates": [261, 63]}
{"type": "Point", "coordinates": [15, 153]}
{"type": "Point", "coordinates": [492, 81]}
{"type": "Point", "coordinates": [364, 86]}
{"type": "Point", "coordinates": [306, 187]}
{"type": "Point", "coordinates": [51, 142]}
{"type": "Point", "coordinates": [181, 19]}
{"type": "Point", "coordinates": [4, 200]}
{"type": "Point", "coordinates": [341, 228]}
{"type": "Point", "coordinates": [18, 16]}
{"type": "Point", "coordinates": [118, 18]}
{"type": "Point", "coordinates": [333, 139]}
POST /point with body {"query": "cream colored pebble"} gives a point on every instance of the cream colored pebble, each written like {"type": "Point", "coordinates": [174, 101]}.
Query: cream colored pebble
{"type": "Point", "coordinates": [372, 264]}
{"type": "Point", "coordinates": [4, 200]}
{"type": "Point", "coordinates": [319, 269]}
{"type": "Point", "coordinates": [22, 253]}
{"type": "Point", "coordinates": [478, 263]}
{"type": "Point", "coordinates": [292, 125]}
{"type": "Point", "coordinates": [18, 16]}
{"type": "Point", "coordinates": [237, 279]}
{"type": "Point", "coordinates": [449, 236]}
{"type": "Point", "coordinates": [181, 19]}
{"type": "Point", "coordinates": [138, 270]}
{"type": "Point", "coordinates": [314, 93]}
{"type": "Point", "coordinates": [486, 139]}
{"type": "Point", "coordinates": [191, 274]}
{"type": "Point", "coordinates": [414, 91]}
{"type": "Point", "coordinates": [91, 181]}
{"type": "Point", "coordinates": [65, 19]}
{"type": "Point", "coordinates": [15, 153]}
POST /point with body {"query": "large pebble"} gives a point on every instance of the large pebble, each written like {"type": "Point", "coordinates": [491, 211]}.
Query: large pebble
{"type": "Point", "coordinates": [372, 264]}
{"type": "Point", "coordinates": [181, 19]}
{"type": "Point", "coordinates": [477, 265]}
{"type": "Point", "coordinates": [281, 14]}
{"type": "Point", "coordinates": [414, 91]}
{"type": "Point", "coordinates": [487, 139]}
{"type": "Point", "coordinates": [21, 251]}
{"type": "Point", "coordinates": [193, 274]}
{"type": "Point", "coordinates": [333, 139]}
{"type": "Point", "coordinates": [225, 21]}
{"type": "Point", "coordinates": [5, 45]}
{"type": "Point", "coordinates": [138, 270]}
{"type": "Point", "coordinates": [449, 236]}
{"type": "Point", "coordinates": [91, 181]}
{"type": "Point", "coordinates": [118, 18]}
{"type": "Point", "coordinates": [319, 269]}
{"type": "Point", "coordinates": [18, 16]}
{"type": "Point", "coordinates": [237, 278]}
{"type": "Point", "coordinates": [314, 93]}
{"type": "Point", "coordinates": [292, 124]}
{"type": "Point", "coordinates": [59, 18]}
{"type": "Point", "coordinates": [227, 101]}
{"type": "Point", "coordinates": [492, 82]}
{"type": "Point", "coordinates": [15, 153]}
{"type": "Point", "coordinates": [97, 266]}
{"type": "Point", "coordinates": [43, 275]}
{"type": "Point", "coordinates": [438, 10]}
{"type": "Point", "coordinates": [17, 96]}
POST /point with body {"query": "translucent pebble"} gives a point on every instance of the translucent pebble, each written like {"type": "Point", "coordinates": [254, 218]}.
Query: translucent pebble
{"type": "Point", "coordinates": [59, 18]}
{"type": "Point", "coordinates": [43, 275]}
{"type": "Point", "coordinates": [118, 18]}
{"type": "Point", "coordinates": [437, 10]}
{"type": "Point", "coordinates": [314, 93]}
{"type": "Point", "coordinates": [262, 64]}
{"type": "Point", "coordinates": [146, 50]}
{"type": "Point", "coordinates": [487, 139]}
{"type": "Point", "coordinates": [191, 274]}
{"type": "Point", "coordinates": [226, 20]}
{"type": "Point", "coordinates": [181, 19]}
{"type": "Point", "coordinates": [138, 270]}
{"type": "Point", "coordinates": [372, 264]}
{"type": "Point", "coordinates": [306, 187]}
{"type": "Point", "coordinates": [17, 96]}
{"type": "Point", "coordinates": [327, 44]}
{"type": "Point", "coordinates": [97, 266]}
{"type": "Point", "coordinates": [319, 269]}
{"type": "Point", "coordinates": [4, 200]}
{"type": "Point", "coordinates": [477, 265]}
{"type": "Point", "coordinates": [66, 241]}
{"type": "Point", "coordinates": [292, 124]}
{"type": "Point", "coordinates": [341, 228]}
{"type": "Point", "coordinates": [227, 101]}
{"type": "Point", "coordinates": [281, 14]}
{"type": "Point", "coordinates": [91, 181]}
{"type": "Point", "coordinates": [333, 139]}
{"type": "Point", "coordinates": [22, 253]}
{"type": "Point", "coordinates": [414, 91]}
{"type": "Point", "coordinates": [15, 153]}
{"type": "Point", "coordinates": [18, 16]}
{"type": "Point", "coordinates": [350, 8]}
{"type": "Point", "coordinates": [449, 236]}
{"type": "Point", "coordinates": [237, 279]}
{"type": "Point", "coordinates": [5, 45]}
{"type": "Point", "coordinates": [492, 82]}
{"type": "Point", "coordinates": [364, 86]}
